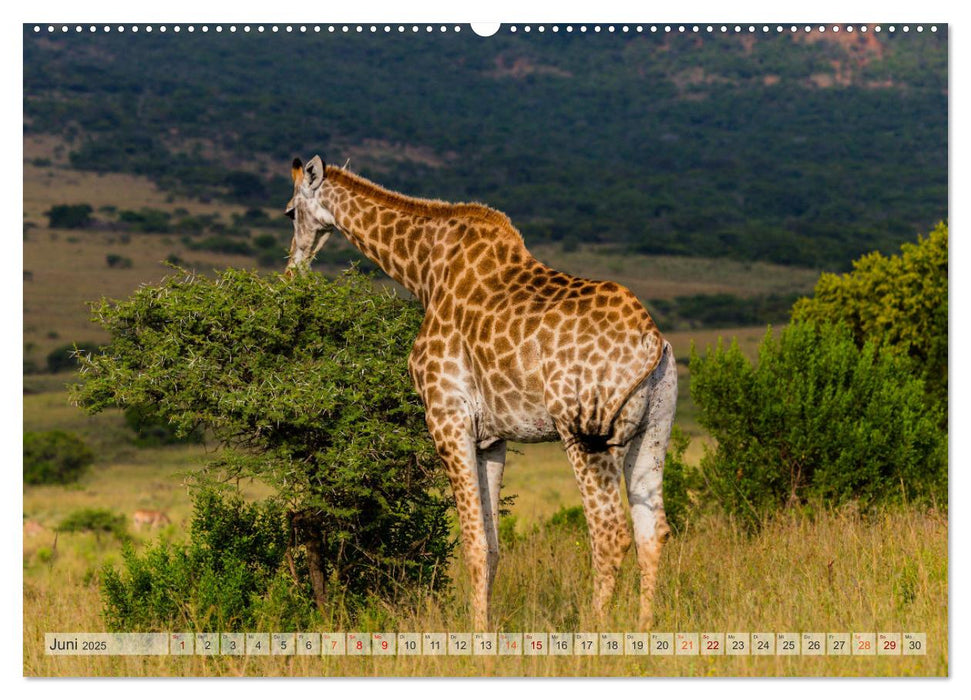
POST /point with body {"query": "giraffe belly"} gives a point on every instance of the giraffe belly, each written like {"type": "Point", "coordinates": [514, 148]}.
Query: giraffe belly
{"type": "Point", "coordinates": [531, 423]}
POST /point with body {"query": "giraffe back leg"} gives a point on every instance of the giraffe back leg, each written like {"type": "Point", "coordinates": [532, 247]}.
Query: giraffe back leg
{"type": "Point", "coordinates": [491, 463]}
{"type": "Point", "coordinates": [598, 475]}
{"type": "Point", "coordinates": [643, 471]}
{"type": "Point", "coordinates": [451, 432]}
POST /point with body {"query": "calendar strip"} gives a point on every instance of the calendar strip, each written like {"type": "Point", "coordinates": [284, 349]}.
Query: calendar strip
{"type": "Point", "coordinates": [386, 644]}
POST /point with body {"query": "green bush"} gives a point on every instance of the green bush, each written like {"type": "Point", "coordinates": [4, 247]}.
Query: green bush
{"type": "Point", "coordinates": [97, 520]}
{"type": "Point", "coordinates": [54, 457]}
{"type": "Point", "coordinates": [305, 384]}
{"type": "Point", "coordinates": [817, 418]}
{"type": "Point", "coordinates": [680, 480]}
{"type": "Point", "coordinates": [65, 357]}
{"type": "Point", "coordinates": [146, 220]}
{"type": "Point", "coordinates": [117, 261]}
{"type": "Point", "coordinates": [69, 216]}
{"type": "Point", "coordinates": [570, 518]}
{"type": "Point", "coordinates": [266, 241]}
{"type": "Point", "coordinates": [230, 576]}
{"type": "Point", "coordinates": [898, 302]}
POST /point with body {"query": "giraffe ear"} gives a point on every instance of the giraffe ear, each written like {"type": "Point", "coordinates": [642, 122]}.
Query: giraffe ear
{"type": "Point", "coordinates": [296, 171]}
{"type": "Point", "coordinates": [315, 172]}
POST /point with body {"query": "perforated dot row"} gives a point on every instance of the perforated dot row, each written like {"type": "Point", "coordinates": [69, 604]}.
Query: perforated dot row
{"type": "Point", "coordinates": [723, 28]}
{"type": "Point", "coordinates": [414, 28]}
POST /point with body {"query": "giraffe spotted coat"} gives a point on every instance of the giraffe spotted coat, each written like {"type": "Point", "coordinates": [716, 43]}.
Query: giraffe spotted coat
{"type": "Point", "coordinates": [511, 349]}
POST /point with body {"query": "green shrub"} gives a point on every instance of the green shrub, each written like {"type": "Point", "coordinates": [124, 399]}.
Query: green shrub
{"type": "Point", "coordinates": [117, 261]}
{"type": "Point", "coordinates": [54, 457]}
{"type": "Point", "coordinates": [507, 530]}
{"type": "Point", "coordinates": [569, 517]}
{"type": "Point", "coordinates": [97, 520]}
{"type": "Point", "coordinates": [68, 356]}
{"type": "Point", "coordinates": [146, 220]}
{"type": "Point", "coordinates": [230, 576]}
{"type": "Point", "coordinates": [69, 216]}
{"type": "Point", "coordinates": [305, 384]}
{"type": "Point", "coordinates": [680, 480]}
{"type": "Point", "coordinates": [898, 302]}
{"type": "Point", "coordinates": [818, 417]}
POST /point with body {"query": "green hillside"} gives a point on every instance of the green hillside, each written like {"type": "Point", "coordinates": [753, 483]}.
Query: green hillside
{"type": "Point", "coordinates": [798, 149]}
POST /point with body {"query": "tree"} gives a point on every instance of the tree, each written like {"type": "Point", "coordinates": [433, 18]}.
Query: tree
{"type": "Point", "coordinates": [69, 215]}
{"type": "Point", "coordinates": [897, 302]}
{"type": "Point", "coordinates": [304, 383]}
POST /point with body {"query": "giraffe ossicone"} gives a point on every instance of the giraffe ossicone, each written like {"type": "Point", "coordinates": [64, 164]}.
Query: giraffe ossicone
{"type": "Point", "coordinates": [511, 349]}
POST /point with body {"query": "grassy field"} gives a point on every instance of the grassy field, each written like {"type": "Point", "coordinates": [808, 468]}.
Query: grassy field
{"type": "Point", "coordinates": [835, 571]}
{"type": "Point", "coordinates": [832, 572]}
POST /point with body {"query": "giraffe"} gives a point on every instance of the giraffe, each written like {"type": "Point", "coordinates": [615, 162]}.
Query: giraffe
{"type": "Point", "coordinates": [510, 349]}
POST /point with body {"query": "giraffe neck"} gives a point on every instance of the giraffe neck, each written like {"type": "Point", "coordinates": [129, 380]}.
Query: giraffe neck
{"type": "Point", "coordinates": [388, 235]}
{"type": "Point", "coordinates": [398, 233]}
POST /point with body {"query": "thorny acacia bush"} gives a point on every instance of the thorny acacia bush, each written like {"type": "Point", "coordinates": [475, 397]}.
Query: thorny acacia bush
{"type": "Point", "coordinates": [304, 384]}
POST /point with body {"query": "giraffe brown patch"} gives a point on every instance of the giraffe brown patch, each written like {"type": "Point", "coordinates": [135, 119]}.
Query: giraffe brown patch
{"type": "Point", "coordinates": [502, 345]}
{"type": "Point", "coordinates": [369, 217]}
{"type": "Point", "coordinates": [485, 266]}
{"type": "Point", "coordinates": [485, 329]}
{"type": "Point", "coordinates": [530, 324]}
{"type": "Point", "coordinates": [475, 251]}
{"type": "Point", "coordinates": [519, 297]}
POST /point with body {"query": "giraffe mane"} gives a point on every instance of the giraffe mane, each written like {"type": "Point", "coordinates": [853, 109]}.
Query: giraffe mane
{"type": "Point", "coordinates": [431, 208]}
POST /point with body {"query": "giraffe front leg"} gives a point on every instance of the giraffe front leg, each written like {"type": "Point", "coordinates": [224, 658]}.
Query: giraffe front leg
{"type": "Point", "coordinates": [598, 476]}
{"type": "Point", "coordinates": [457, 449]}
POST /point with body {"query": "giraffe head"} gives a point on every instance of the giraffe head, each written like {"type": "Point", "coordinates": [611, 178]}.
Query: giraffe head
{"type": "Point", "coordinates": [312, 221]}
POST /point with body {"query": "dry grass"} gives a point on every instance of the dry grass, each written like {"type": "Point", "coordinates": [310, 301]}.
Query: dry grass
{"type": "Point", "coordinates": [837, 572]}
